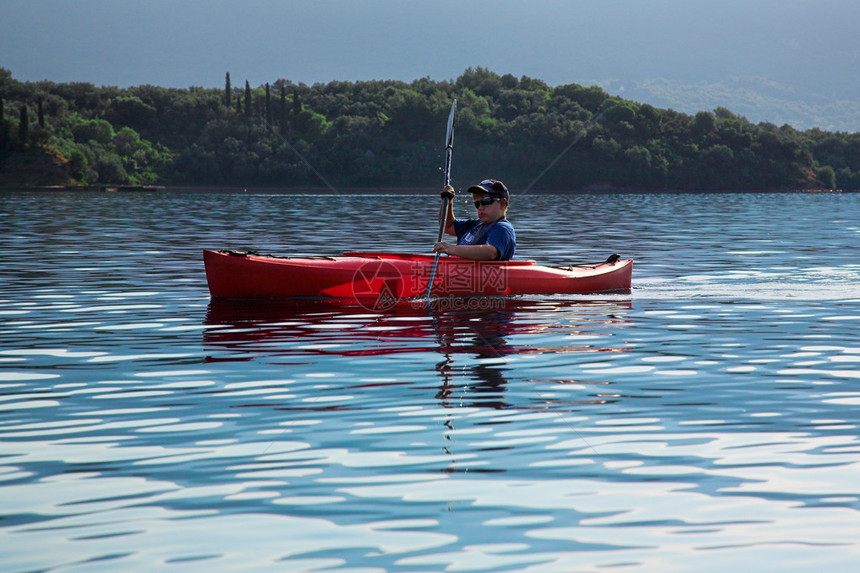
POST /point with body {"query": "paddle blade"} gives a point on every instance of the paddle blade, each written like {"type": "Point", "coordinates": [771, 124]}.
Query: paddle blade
{"type": "Point", "coordinates": [449, 135]}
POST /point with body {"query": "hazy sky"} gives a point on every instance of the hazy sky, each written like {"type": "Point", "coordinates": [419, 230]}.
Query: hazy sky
{"type": "Point", "coordinates": [811, 44]}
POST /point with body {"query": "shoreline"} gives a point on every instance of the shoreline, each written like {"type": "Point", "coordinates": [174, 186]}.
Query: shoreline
{"type": "Point", "coordinates": [595, 190]}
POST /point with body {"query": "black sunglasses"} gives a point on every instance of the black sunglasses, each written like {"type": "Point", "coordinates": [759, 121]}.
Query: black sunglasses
{"type": "Point", "coordinates": [485, 201]}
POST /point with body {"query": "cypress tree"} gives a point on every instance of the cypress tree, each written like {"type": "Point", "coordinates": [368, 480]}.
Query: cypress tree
{"type": "Point", "coordinates": [4, 129]}
{"type": "Point", "coordinates": [228, 91]}
{"type": "Point", "coordinates": [268, 107]}
{"type": "Point", "coordinates": [247, 99]}
{"type": "Point", "coordinates": [283, 119]}
{"type": "Point", "coordinates": [24, 126]}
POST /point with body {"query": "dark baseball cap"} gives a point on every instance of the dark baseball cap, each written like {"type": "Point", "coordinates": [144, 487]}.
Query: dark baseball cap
{"type": "Point", "coordinates": [491, 187]}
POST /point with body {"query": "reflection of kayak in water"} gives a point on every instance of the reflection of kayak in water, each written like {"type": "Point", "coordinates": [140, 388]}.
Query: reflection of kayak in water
{"type": "Point", "coordinates": [379, 277]}
{"type": "Point", "coordinates": [475, 349]}
{"type": "Point", "coordinates": [249, 328]}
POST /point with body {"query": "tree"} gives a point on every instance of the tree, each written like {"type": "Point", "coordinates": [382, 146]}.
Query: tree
{"type": "Point", "coordinates": [827, 176]}
{"type": "Point", "coordinates": [41, 114]}
{"type": "Point", "coordinates": [481, 81]}
{"type": "Point", "coordinates": [590, 98]}
{"type": "Point", "coordinates": [4, 131]}
{"type": "Point", "coordinates": [131, 111]}
{"type": "Point", "coordinates": [283, 115]}
{"type": "Point", "coordinates": [268, 106]}
{"type": "Point", "coordinates": [618, 110]}
{"type": "Point", "coordinates": [92, 130]}
{"type": "Point", "coordinates": [638, 159]}
{"type": "Point", "coordinates": [704, 123]}
{"type": "Point", "coordinates": [24, 126]}
{"type": "Point", "coordinates": [228, 91]}
{"type": "Point", "coordinates": [247, 99]}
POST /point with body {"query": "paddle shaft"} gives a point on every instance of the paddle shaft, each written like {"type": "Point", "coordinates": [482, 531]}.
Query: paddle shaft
{"type": "Point", "coordinates": [449, 152]}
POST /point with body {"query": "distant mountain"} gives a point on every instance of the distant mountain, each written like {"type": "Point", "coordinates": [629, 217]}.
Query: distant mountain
{"type": "Point", "coordinates": [755, 98]}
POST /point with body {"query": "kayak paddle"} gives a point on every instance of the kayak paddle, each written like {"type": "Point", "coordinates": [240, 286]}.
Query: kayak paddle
{"type": "Point", "coordinates": [449, 151]}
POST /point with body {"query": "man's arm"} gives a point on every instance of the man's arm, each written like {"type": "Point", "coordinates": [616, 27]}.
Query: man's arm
{"type": "Point", "coordinates": [472, 252]}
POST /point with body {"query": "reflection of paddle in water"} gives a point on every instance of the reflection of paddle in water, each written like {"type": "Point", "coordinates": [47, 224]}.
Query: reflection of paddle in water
{"type": "Point", "coordinates": [486, 338]}
{"type": "Point", "coordinates": [481, 333]}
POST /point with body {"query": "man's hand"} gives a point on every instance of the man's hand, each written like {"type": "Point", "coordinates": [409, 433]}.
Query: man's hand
{"type": "Point", "coordinates": [443, 247]}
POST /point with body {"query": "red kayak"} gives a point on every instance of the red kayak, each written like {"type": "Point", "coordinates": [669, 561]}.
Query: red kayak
{"type": "Point", "coordinates": [394, 276]}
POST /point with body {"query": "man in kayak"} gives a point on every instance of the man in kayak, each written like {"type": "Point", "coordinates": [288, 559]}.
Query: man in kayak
{"type": "Point", "coordinates": [490, 237]}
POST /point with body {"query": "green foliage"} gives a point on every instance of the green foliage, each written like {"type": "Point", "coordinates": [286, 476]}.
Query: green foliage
{"type": "Point", "coordinates": [131, 111]}
{"type": "Point", "coordinates": [5, 138]}
{"type": "Point", "coordinates": [268, 106]}
{"type": "Point", "coordinates": [703, 123]}
{"type": "Point", "coordinates": [589, 98]}
{"type": "Point", "coordinates": [619, 111]}
{"type": "Point", "coordinates": [388, 133]}
{"type": "Point", "coordinates": [96, 131]}
{"type": "Point", "coordinates": [827, 176]}
{"type": "Point", "coordinates": [24, 126]}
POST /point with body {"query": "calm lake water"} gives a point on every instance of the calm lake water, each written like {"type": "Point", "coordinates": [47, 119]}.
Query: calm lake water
{"type": "Point", "coordinates": [706, 421]}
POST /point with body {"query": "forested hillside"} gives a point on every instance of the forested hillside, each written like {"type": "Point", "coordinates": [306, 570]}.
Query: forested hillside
{"type": "Point", "coordinates": [390, 134]}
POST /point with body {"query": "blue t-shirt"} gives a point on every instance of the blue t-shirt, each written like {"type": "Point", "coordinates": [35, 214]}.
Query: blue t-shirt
{"type": "Point", "coordinates": [499, 234]}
